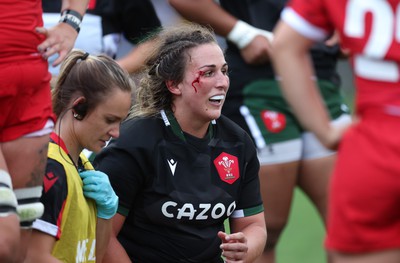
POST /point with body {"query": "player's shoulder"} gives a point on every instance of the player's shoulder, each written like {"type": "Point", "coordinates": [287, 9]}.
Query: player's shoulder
{"type": "Point", "coordinates": [139, 124]}
{"type": "Point", "coordinates": [140, 130]}
{"type": "Point", "coordinates": [227, 126]}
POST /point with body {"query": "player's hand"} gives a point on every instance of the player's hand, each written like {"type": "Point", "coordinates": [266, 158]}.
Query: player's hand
{"type": "Point", "coordinates": [335, 40]}
{"type": "Point", "coordinates": [96, 186]}
{"type": "Point", "coordinates": [332, 139]}
{"type": "Point", "coordinates": [257, 51]}
{"type": "Point", "coordinates": [234, 246]}
{"type": "Point", "coordinates": [59, 39]}
{"type": "Point", "coordinates": [254, 43]}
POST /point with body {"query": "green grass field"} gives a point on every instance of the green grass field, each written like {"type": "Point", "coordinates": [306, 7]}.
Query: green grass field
{"type": "Point", "coordinates": [302, 240]}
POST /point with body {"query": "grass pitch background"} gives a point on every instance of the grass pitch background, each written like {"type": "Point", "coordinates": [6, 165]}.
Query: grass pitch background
{"type": "Point", "coordinates": [302, 239]}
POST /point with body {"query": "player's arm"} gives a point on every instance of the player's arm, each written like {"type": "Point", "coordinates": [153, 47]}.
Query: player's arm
{"type": "Point", "coordinates": [254, 43]}
{"type": "Point", "coordinates": [294, 68]}
{"type": "Point", "coordinates": [79, 6]}
{"type": "Point", "coordinates": [103, 234]}
{"type": "Point", "coordinates": [61, 38]}
{"type": "Point", "coordinates": [134, 61]}
{"type": "Point", "coordinates": [115, 252]}
{"type": "Point", "coordinates": [45, 230]}
{"type": "Point", "coordinates": [40, 248]}
{"type": "Point", "coordinates": [247, 239]}
{"type": "Point", "coordinates": [206, 12]}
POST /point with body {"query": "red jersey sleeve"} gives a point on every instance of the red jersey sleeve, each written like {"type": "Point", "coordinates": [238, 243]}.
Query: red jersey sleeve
{"type": "Point", "coordinates": [308, 18]}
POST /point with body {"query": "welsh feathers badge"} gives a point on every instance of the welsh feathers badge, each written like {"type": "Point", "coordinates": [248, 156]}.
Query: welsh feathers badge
{"type": "Point", "coordinates": [228, 167]}
{"type": "Point", "coordinates": [273, 121]}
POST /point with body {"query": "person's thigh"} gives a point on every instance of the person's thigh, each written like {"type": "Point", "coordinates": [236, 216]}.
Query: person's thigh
{"type": "Point", "coordinates": [313, 180]}
{"type": "Point", "coordinates": [316, 167]}
{"type": "Point", "coordinates": [277, 182]}
{"type": "Point", "coordinates": [26, 159]}
{"type": "Point", "coordinates": [9, 222]}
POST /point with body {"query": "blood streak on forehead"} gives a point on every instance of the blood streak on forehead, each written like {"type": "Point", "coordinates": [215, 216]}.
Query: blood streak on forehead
{"type": "Point", "coordinates": [197, 80]}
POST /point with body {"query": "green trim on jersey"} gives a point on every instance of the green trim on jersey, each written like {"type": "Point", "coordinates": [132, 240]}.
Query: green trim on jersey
{"type": "Point", "coordinates": [253, 210]}
{"type": "Point", "coordinates": [174, 124]}
{"type": "Point", "coordinates": [248, 211]}
{"type": "Point", "coordinates": [123, 210]}
{"type": "Point", "coordinates": [176, 128]}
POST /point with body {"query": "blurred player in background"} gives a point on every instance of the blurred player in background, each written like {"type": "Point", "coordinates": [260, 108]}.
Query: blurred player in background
{"type": "Point", "coordinates": [289, 155]}
{"type": "Point", "coordinates": [26, 118]}
{"type": "Point", "coordinates": [363, 217]}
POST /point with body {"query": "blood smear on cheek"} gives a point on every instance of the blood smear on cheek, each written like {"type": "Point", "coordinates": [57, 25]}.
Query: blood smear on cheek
{"type": "Point", "coordinates": [197, 80]}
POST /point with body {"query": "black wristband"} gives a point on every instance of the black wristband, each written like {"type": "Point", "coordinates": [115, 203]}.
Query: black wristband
{"type": "Point", "coordinates": [72, 18]}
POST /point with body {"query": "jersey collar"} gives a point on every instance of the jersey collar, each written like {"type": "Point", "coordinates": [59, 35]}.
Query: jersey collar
{"type": "Point", "coordinates": [57, 140]}
{"type": "Point", "coordinates": [170, 121]}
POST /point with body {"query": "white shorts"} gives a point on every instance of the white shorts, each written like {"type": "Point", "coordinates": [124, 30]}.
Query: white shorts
{"type": "Point", "coordinates": [307, 147]}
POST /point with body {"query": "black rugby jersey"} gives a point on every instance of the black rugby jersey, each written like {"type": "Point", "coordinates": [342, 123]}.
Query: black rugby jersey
{"type": "Point", "coordinates": [177, 190]}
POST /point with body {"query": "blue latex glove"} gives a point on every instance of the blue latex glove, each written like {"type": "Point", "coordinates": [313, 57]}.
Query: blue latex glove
{"type": "Point", "coordinates": [96, 186]}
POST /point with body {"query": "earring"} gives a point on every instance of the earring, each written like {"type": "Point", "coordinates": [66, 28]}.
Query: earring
{"type": "Point", "coordinates": [76, 115]}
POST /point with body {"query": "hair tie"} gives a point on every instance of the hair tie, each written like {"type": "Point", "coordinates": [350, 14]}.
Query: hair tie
{"type": "Point", "coordinates": [84, 57]}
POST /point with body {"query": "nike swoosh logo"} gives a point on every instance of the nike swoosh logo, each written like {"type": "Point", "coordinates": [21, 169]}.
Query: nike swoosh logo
{"type": "Point", "coordinates": [172, 165]}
